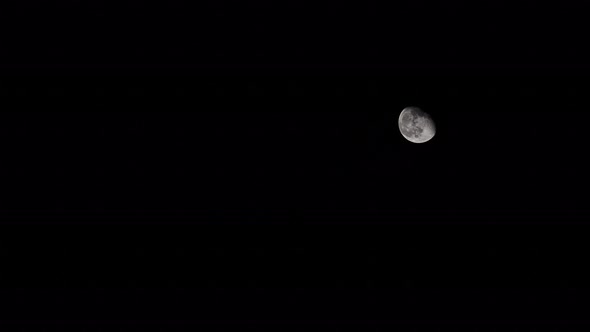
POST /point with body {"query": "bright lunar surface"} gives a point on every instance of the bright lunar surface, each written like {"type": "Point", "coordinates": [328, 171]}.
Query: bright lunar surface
{"type": "Point", "coordinates": [416, 125]}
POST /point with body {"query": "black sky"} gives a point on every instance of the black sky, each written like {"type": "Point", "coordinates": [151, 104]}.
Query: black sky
{"type": "Point", "coordinates": [296, 148]}
{"type": "Point", "coordinates": [258, 33]}
{"type": "Point", "coordinates": [222, 164]}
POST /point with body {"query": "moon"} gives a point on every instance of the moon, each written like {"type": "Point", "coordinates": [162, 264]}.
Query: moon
{"type": "Point", "coordinates": [416, 125]}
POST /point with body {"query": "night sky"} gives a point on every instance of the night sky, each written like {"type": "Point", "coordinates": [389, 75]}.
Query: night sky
{"type": "Point", "coordinates": [295, 149]}
{"type": "Point", "coordinates": [221, 165]}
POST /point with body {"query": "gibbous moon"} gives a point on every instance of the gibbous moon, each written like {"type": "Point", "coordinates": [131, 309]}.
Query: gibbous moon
{"type": "Point", "coordinates": [416, 125]}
